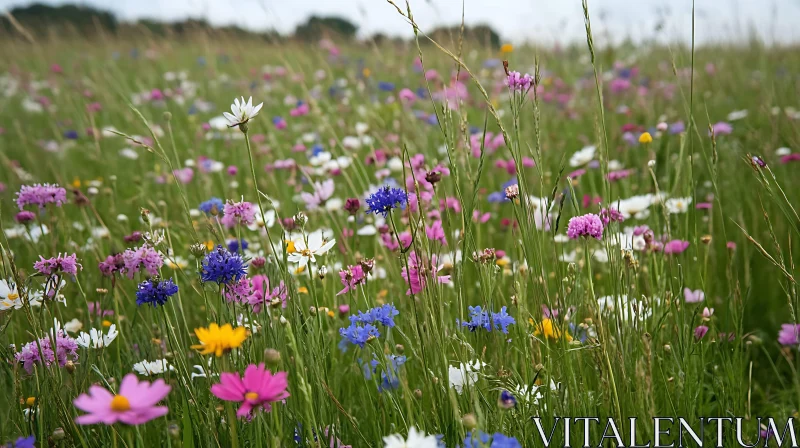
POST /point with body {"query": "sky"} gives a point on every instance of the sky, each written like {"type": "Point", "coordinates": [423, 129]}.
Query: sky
{"type": "Point", "coordinates": [543, 21]}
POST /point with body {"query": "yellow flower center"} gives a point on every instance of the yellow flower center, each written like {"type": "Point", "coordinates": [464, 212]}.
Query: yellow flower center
{"type": "Point", "coordinates": [120, 404]}
{"type": "Point", "coordinates": [252, 396]}
{"type": "Point", "coordinates": [290, 247]}
{"type": "Point", "coordinates": [305, 252]}
{"type": "Point", "coordinates": [13, 296]}
{"type": "Point", "coordinates": [30, 401]}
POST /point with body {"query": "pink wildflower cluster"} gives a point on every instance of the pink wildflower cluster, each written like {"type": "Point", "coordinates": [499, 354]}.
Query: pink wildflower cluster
{"type": "Point", "coordinates": [519, 82]}
{"type": "Point", "coordinates": [111, 265]}
{"type": "Point", "coordinates": [238, 213]}
{"type": "Point", "coordinates": [586, 225]}
{"type": "Point", "coordinates": [66, 350]}
{"type": "Point", "coordinates": [256, 292]}
{"type": "Point", "coordinates": [418, 274]}
{"type": "Point", "coordinates": [67, 264]}
{"type": "Point", "coordinates": [352, 277]}
{"type": "Point", "coordinates": [41, 195]}
{"type": "Point", "coordinates": [144, 257]}
{"type": "Point", "coordinates": [609, 215]}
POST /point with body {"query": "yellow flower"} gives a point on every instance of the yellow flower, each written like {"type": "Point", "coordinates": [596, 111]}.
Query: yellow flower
{"type": "Point", "coordinates": [219, 340]}
{"type": "Point", "coordinates": [290, 247]}
{"type": "Point", "coordinates": [106, 323]}
{"type": "Point", "coordinates": [506, 48]}
{"type": "Point", "coordinates": [366, 72]}
{"type": "Point", "coordinates": [549, 331]}
{"type": "Point", "coordinates": [30, 402]}
{"type": "Point", "coordinates": [302, 290]}
{"type": "Point", "coordinates": [209, 245]}
{"type": "Point", "coordinates": [76, 183]}
{"type": "Point", "coordinates": [645, 138]}
{"type": "Point", "coordinates": [502, 261]}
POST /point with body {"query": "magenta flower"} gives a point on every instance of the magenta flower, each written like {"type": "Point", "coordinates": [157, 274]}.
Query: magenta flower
{"type": "Point", "coordinates": [184, 175]}
{"type": "Point", "coordinates": [134, 405]}
{"type": "Point", "coordinates": [721, 128]}
{"type": "Point", "coordinates": [67, 264]}
{"type": "Point", "coordinates": [238, 213]}
{"type": "Point", "coordinates": [435, 232]}
{"type": "Point", "coordinates": [519, 82]}
{"type": "Point", "coordinates": [24, 217]}
{"type": "Point", "coordinates": [258, 388]}
{"type": "Point", "coordinates": [144, 257]}
{"type": "Point", "coordinates": [675, 246]}
{"type": "Point", "coordinates": [586, 225]}
{"type": "Point", "coordinates": [41, 195]}
{"type": "Point", "coordinates": [261, 293]}
{"type": "Point", "coordinates": [695, 296]}
{"type": "Point", "coordinates": [790, 158]}
{"type": "Point", "coordinates": [111, 265]}
{"type": "Point", "coordinates": [789, 334]}
{"type": "Point", "coordinates": [407, 96]}
{"type": "Point", "coordinates": [351, 277]}
{"type": "Point", "coordinates": [417, 274]}
{"type": "Point", "coordinates": [700, 332]}
{"type": "Point", "coordinates": [609, 215]}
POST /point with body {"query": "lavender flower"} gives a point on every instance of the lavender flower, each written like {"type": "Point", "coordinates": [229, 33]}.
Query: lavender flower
{"type": "Point", "coordinates": [789, 334]}
{"type": "Point", "coordinates": [66, 350]}
{"type": "Point", "coordinates": [144, 257]}
{"type": "Point", "coordinates": [67, 264]}
{"type": "Point", "coordinates": [238, 213]}
{"type": "Point", "coordinates": [519, 82]}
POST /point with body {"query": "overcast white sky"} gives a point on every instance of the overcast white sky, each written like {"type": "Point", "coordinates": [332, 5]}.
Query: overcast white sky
{"type": "Point", "coordinates": [515, 20]}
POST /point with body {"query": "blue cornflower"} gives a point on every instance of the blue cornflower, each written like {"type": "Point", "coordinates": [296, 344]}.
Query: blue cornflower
{"type": "Point", "coordinates": [155, 292]}
{"type": "Point", "coordinates": [507, 400]}
{"type": "Point", "coordinates": [390, 378]}
{"type": "Point", "coordinates": [497, 196]}
{"type": "Point", "coordinates": [385, 199]}
{"type": "Point", "coordinates": [233, 245]}
{"type": "Point", "coordinates": [72, 135]}
{"type": "Point", "coordinates": [357, 335]}
{"type": "Point", "coordinates": [502, 320]}
{"type": "Point", "coordinates": [386, 86]}
{"type": "Point", "coordinates": [212, 206]}
{"type": "Point", "coordinates": [496, 440]}
{"type": "Point", "coordinates": [22, 442]}
{"type": "Point", "coordinates": [381, 314]}
{"type": "Point", "coordinates": [222, 266]}
{"type": "Point", "coordinates": [317, 149]}
{"type": "Point", "coordinates": [478, 319]}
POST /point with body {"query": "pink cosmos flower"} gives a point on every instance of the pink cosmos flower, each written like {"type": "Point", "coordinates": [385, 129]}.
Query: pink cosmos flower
{"type": "Point", "coordinates": [417, 274]}
{"type": "Point", "coordinates": [238, 213]}
{"type": "Point", "coordinates": [134, 405]}
{"type": "Point", "coordinates": [261, 293]}
{"type": "Point", "coordinates": [695, 296]}
{"type": "Point", "coordinates": [258, 388]}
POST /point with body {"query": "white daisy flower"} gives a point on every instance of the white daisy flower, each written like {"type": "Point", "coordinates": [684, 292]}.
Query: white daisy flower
{"type": "Point", "coordinates": [148, 368]}
{"type": "Point", "coordinates": [96, 339]}
{"type": "Point", "coordinates": [416, 439]}
{"type": "Point", "coordinates": [241, 112]}
{"type": "Point", "coordinates": [307, 251]}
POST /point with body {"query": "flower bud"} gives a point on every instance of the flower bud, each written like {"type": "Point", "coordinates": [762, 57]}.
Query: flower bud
{"type": "Point", "coordinates": [272, 356]}
{"type": "Point", "coordinates": [145, 213]}
{"type": "Point", "coordinates": [417, 393]}
{"type": "Point", "coordinates": [198, 250]}
{"type": "Point", "coordinates": [705, 239]}
{"type": "Point", "coordinates": [651, 163]}
{"type": "Point", "coordinates": [167, 115]}
{"type": "Point", "coordinates": [300, 219]}
{"type": "Point", "coordinates": [667, 348]}
{"type": "Point", "coordinates": [174, 430]}
{"type": "Point", "coordinates": [400, 349]}
{"type": "Point", "coordinates": [58, 434]}
{"type": "Point", "coordinates": [469, 421]}
{"type": "Point", "coordinates": [433, 176]}
{"type": "Point", "coordinates": [70, 367]}
{"type": "Point", "coordinates": [321, 272]}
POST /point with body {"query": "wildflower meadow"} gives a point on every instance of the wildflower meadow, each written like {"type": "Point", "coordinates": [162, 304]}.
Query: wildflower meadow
{"type": "Point", "coordinates": [222, 242]}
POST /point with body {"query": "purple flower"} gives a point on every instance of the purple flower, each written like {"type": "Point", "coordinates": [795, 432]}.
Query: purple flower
{"type": "Point", "coordinates": [586, 225]}
{"type": "Point", "coordinates": [519, 82]}
{"type": "Point", "coordinates": [66, 350]}
{"type": "Point", "coordinates": [111, 265]}
{"type": "Point", "coordinates": [721, 128]}
{"type": "Point", "coordinates": [67, 264]}
{"type": "Point", "coordinates": [609, 215]}
{"type": "Point", "coordinates": [352, 277]}
{"type": "Point", "coordinates": [695, 296]}
{"type": "Point", "coordinates": [322, 192]}
{"type": "Point", "coordinates": [677, 127]}
{"type": "Point", "coordinates": [41, 195]}
{"type": "Point", "coordinates": [700, 332]}
{"type": "Point", "coordinates": [24, 217]}
{"type": "Point", "coordinates": [789, 334]}
{"type": "Point", "coordinates": [435, 232]}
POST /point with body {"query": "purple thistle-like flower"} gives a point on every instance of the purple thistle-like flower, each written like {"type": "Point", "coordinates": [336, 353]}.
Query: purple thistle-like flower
{"type": "Point", "coordinates": [789, 334]}
{"type": "Point", "coordinates": [41, 195]}
{"type": "Point", "coordinates": [586, 225]}
{"type": "Point", "coordinates": [66, 350]}
{"type": "Point", "coordinates": [144, 257]}
{"type": "Point", "coordinates": [609, 215]}
{"type": "Point", "coordinates": [24, 217]}
{"type": "Point", "coordinates": [67, 264]}
{"type": "Point", "coordinates": [111, 265]}
{"type": "Point", "coordinates": [519, 82]}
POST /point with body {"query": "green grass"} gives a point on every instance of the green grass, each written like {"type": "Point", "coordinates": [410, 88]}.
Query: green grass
{"type": "Point", "coordinates": [636, 368]}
